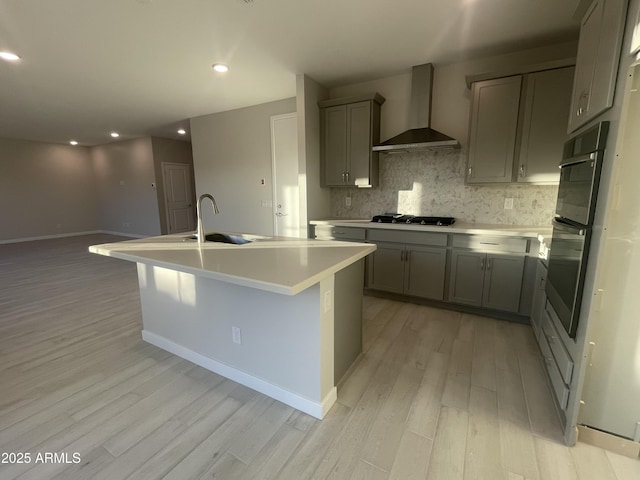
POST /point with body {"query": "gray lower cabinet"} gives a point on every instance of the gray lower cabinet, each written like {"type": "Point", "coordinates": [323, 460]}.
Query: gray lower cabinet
{"type": "Point", "coordinates": [539, 299]}
{"type": "Point", "coordinates": [489, 280]}
{"type": "Point", "coordinates": [386, 268]}
{"type": "Point", "coordinates": [556, 357]}
{"type": "Point", "coordinates": [408, 269]}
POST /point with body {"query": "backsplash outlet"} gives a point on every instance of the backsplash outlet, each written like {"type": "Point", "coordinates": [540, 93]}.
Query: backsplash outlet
{"type": "Point", "coordinates": [432, 183]}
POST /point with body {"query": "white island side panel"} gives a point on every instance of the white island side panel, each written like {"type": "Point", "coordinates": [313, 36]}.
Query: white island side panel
{"type": "Point", "coordinates": [287, 349]}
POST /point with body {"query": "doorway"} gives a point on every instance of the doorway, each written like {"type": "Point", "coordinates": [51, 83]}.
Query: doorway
{"type": "Point", "coordinates": [178, 197]}
{"type": "Point", "coordinates": [286, 188]}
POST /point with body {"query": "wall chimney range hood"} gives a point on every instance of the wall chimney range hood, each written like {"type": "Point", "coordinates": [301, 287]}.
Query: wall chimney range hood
{"type": "Point", "coordinates": [420, 137]}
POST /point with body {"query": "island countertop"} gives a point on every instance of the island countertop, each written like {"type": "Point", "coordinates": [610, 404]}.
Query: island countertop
{"type": "Point", "coordinates": [275, 264]}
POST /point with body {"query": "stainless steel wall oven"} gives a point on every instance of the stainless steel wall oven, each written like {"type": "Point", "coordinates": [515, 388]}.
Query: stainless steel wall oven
{"type": "Point", "coordinates": [575, 208]}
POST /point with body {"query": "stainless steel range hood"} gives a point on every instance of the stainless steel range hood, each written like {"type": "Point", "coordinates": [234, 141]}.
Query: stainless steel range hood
{"type": "Point", "coordinates": [421, 136]}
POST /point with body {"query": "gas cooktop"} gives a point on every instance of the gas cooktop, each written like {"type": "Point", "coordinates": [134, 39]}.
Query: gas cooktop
{"type": "Point", "coordinates": [413, 219]}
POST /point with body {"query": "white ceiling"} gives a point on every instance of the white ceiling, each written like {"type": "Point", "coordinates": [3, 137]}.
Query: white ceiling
{"type": "Point", "coordinates": [143, 67]}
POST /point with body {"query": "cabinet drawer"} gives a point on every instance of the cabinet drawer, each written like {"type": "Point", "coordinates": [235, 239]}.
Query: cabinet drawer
{"type": "Point", "coordinates": [558, 386]}
{"type": "Point", "coordinates": [487, 243]}
{"type": "Point", "coordinates": [560, 354]}
{"type": "Point", "coordinates": [331, 232]}
{"type": "Point", "coordinates": [416, 238]}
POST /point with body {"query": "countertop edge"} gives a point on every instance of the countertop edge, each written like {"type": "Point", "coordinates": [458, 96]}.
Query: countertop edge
{"type": "Point", "coordinates": [523, 231]}
{"type": "Point", "coordinates": [111, 250]}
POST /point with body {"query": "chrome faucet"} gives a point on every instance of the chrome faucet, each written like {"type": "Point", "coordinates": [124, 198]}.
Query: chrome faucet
{"type": "Point", "coordinates": [200, 235]}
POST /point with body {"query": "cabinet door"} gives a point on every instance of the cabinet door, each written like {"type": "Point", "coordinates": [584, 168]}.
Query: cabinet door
{"type": "Point", "coordinates": [386, 268]}
{"type": "Point", "coordinates": [425, 272]}
{"type": "Point", "coordinates": [539, 297]}
{"type": "Point", "coordinates": [359, 143]}
{"type": "Point", "coordinates": [335, 145]}
{"type": "Point", "coordinates": [597, 60]}
{"type": "Point", "coordinates": [492, 133]}
{"type": "Point", "coordinates": [503, 282]}
{"type": "Point", "coordinates": [467, 277]}
{"type": "Point", "coordinates": [547, 101]}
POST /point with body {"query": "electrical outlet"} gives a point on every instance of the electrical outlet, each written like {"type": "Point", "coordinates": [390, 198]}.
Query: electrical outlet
{"type": "Point", "coordinates": [236, 335]}
{"type": "Point", "coordinates": [347, 201]}
{"type": "Point", "coordinates": [508, 203]}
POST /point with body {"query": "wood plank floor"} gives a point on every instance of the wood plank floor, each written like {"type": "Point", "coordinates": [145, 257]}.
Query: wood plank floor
{"type": "Point", "coordinates": [436, 394]}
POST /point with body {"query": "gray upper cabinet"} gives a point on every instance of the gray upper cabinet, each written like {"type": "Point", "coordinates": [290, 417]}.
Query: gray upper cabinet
{"type": "Point", "coordinates": [517, 127]}
{"type": "Point", "coordinates": [350, 128]}
{"type": "Point", "coordinates": [492, 134]}
{"type": "Point", "coordinates": [601, 32]}
{"type": "Point", "coordinates": [546, 104]}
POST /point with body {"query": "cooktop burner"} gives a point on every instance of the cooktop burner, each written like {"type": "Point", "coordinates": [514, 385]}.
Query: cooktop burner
{"type": "Point", "coordinates": [412, 219]}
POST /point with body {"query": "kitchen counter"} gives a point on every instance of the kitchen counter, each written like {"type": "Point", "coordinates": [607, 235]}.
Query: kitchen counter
{"type": "Point", "coordinates": [276, 264]}
{"type": "Point", "coordinates": [282, 316]}
{"type": "Point", "coordinates": [524, 231]}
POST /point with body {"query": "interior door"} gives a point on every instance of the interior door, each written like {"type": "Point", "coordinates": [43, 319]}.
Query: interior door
{"type": "Point", "coordinates": [286, 189]}
{"type": "Point", "coordinates": [178, 195]}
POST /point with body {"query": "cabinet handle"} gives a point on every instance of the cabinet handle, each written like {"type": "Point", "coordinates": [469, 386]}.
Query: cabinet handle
{"type": "Point", "coordinates": [347, 175]}
{"type": "Point", "coordinates": [550, 339]}
{"type": "Point", "coordinates": [469, 171]}
{"type": "Point", "coordinates": [489, 263]}
{"type": "Point", "coordinates": [522, 171]}
{"type": "Point", "coordinates": [482, 264]}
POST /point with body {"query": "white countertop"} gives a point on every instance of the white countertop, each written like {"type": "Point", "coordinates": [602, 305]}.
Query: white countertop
{"type": "Point", "coordinates": [526, 231]}
{"type": "Point", "coordinates": [276, 264]}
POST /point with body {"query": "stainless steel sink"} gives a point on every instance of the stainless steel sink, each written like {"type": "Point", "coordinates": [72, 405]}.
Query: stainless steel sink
{"type": "Point", "coordinates": [235, 239]}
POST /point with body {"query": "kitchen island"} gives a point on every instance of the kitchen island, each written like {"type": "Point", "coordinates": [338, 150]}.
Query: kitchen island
{"type": "Point", "coordinates": [280, 315]}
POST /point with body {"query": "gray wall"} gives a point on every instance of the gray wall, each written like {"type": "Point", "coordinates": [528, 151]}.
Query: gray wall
{"type": "Point", "coordinates": [308, 93]}
{"type": "Point", "coordinates": [124, 172]}
{"type": "Point", "coordinates": [45, 190]}
{"type": "Point", "coordinates": [232, 157]}
{"type": "Point", "coordinates": [172, 151]}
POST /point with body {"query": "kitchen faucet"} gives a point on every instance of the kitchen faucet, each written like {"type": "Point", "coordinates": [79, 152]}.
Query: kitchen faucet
{"type": "Point", "coordinates": [200, 235]}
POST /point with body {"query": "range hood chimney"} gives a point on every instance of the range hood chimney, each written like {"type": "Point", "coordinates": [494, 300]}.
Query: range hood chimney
{"type": "Point", "coordinates": [421, 136]}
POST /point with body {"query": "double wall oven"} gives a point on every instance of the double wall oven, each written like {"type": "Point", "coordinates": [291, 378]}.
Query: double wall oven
{"type": "Point", "coordinates": [572, 225]}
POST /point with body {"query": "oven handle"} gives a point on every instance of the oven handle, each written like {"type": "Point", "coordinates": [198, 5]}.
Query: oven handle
{"type": "Point", "coordinates": [579, 159]}
{"type": "Point", "coordinates": [565, 227]}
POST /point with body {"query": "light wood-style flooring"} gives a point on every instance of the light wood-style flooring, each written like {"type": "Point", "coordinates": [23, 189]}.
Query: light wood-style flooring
{"type": "Point", "coordinates": [437, 394]}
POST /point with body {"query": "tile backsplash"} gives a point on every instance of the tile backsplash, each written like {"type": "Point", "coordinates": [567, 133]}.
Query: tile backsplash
{"type": "Point", "coordinates": [432, 183]}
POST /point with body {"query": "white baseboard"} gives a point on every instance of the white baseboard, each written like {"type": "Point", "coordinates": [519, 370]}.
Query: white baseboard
{"type": "Point", "coordinates": [123, 234]}
{"type": "Point", "coordinates": [608, 441]}
{"type": "Point", "coordinates": [72, 234]}
{"type": "Point", "coordinates": [315, 409]}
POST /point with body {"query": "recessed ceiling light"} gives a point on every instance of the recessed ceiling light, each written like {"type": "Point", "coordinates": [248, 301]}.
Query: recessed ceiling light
{"type": "Point", "coordinates": [11, 57]}
{"type": "Point", "coordinates": [220, 67]}
{"type": "Point", "coordinates": [182, 131]}
{"type": "Point", "coordinates": [115, 134]}
{"type": "Point", "coordinates": [73, 142]}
